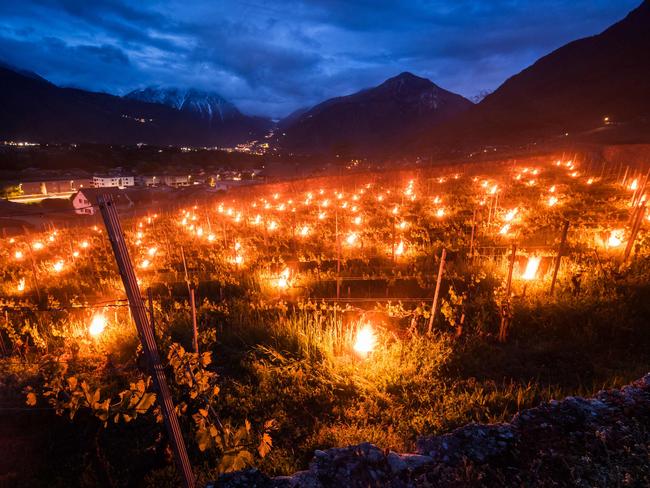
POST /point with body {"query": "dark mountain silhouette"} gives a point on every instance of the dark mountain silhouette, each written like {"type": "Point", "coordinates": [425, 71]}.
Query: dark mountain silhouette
{"type": "Point", "coordinates": [371, 120]}
{"type": "Point", "coordinates": [34, 109]}
{"type": "Point", "coordinates": [571, 90]}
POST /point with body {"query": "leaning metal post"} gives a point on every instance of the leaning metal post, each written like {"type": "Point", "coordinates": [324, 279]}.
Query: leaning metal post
{"type": "Point", "coordinates": [145, 331]}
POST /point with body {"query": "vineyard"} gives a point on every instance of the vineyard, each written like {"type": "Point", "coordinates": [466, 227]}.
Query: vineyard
{"type": "Point", "coordinates": [318, 313]}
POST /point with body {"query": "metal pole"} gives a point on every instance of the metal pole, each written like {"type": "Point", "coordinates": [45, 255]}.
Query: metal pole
{"type": "Point", "coordinates": [138, 311]}
{"type": "Point", "coordinates": [441, 268]}
{"type": "Point", "coordinates": [560, 251]}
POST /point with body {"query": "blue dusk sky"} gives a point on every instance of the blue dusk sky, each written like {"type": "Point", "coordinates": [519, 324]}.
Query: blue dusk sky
{"type": "Point", "coordinates": [271, 57]}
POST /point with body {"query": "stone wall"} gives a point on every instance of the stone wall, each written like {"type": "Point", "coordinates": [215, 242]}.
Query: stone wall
{"type": "Point", "coordinates": [597, 442]}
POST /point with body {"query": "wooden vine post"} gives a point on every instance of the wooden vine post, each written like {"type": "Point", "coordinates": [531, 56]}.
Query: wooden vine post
{"type": "Point", "coordinates": [434, 304]}
{"type": "Point", "coordinates": [505, 307]}
{"type": "Point", "coordinates": [560, 251]}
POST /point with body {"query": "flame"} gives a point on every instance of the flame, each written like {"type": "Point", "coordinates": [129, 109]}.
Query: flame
{"type": "Point", "coordinates": [440, 213]}
{"type": "Point", "coordinates": [304, 231]}
{"type": "Point", "coordinates": [531, 268]}
{"type": "Point", "coordinates": [283, 279]}
{"type": "Point", "coordinates": [97, 325]}
{"type": "Point", "coordinates": [58, 266]}
{"type": "Point", "coordinates": [18, 255]}
{"type": "Point", "coordinates": [511, 214]}
{"type": "Point", "coordinates": [351, 238]}
{"type": "Point", "coordinates": [365, 341]}
{"type": "Point", "coordinates": [399, 250]}
{"type": "Point", "coordinates": [616, 238]}
{"type": "Point", "coordinates": [504, 230]}
{"type": "Point", "coordinates": [552, 201]}
{"type": "Point", "coordinates": [21, 284]}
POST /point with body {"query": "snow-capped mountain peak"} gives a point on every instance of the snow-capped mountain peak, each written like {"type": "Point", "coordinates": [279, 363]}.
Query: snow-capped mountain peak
{"type": "Point", "coordinates": [208, 105]}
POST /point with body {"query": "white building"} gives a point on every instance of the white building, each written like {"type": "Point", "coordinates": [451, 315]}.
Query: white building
{"type": "Point", "coordinates": [176, 181]}
{"type": "Point", "coordinates": [113, 181]}
{"type": "Point", "coordinates": [85, 201]}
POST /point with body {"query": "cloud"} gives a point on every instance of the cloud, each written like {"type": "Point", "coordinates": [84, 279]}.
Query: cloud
{"type": "Point", "coordinates": [270, 57]}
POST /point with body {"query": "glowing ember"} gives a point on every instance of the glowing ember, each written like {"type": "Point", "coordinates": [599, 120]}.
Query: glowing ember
{"type": "Point", "coordinates": [531, 268]}
{"type": "Point", "coordinates": [97, 325]}
{"type": "Point", "coordinates": [365, 341]}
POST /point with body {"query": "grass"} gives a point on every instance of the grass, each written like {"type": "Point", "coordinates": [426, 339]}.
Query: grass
{"type": "Point", "coordinates": [296, 365]}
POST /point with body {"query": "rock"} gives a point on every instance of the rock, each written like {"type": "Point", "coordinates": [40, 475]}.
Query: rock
{"type": "Point", "coordinates": [589, 442]}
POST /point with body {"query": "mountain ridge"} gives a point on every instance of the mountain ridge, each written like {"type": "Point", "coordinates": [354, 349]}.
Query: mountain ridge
{"type": "Point", "coordinates": [35, 109]}
{"type": "Point", "coordinates": [366, 121]}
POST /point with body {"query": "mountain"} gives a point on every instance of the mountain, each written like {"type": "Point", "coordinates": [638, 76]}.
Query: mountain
{"type": "Point", "coordinates": [570, 90]}
{"type": "Point", "coordinates": [207, 105]}
{"type": "Point", "coordinates": [34, 109]}
{"type": "Point", "coordinates": [372, 120]}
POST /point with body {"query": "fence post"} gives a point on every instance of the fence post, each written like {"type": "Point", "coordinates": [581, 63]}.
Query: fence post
{"type": "Point", "coordinates": [139, 313]}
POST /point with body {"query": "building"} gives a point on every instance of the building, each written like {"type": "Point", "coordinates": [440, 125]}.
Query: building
{"type": "Point", "coordinates": [148, 181]}
{"type": "Point", "coordinates": [176, 181]}
{"type": "Point", "coordinates": [85, 200]}
{"type": "Point", "coordinates": [113, 181]}
{"type": "Point", "coordinates": [46, 187]}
